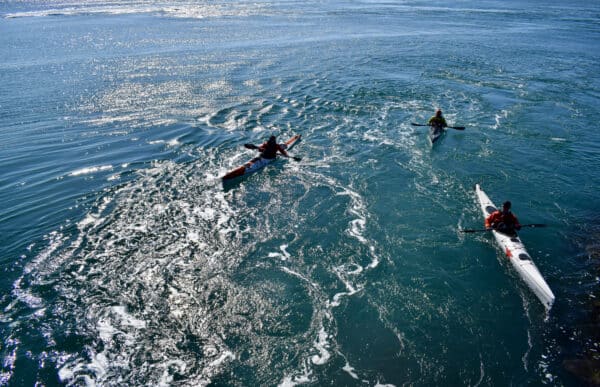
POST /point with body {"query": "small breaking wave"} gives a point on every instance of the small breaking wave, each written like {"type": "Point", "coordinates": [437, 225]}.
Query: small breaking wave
{"type": "Point", "coordinates": [91, 170]}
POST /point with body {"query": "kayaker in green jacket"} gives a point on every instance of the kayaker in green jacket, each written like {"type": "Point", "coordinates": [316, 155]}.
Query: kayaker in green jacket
{"type": "Point", "coordinates": [438, 121]}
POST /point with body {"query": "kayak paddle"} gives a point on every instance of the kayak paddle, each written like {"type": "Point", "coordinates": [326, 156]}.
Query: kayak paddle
{"type": "Point", "coordinates": [533, 225]}
{"type": "Point", "coordinates": [252, 146]}
{"type": "Point", "coordinates": [451, 127]}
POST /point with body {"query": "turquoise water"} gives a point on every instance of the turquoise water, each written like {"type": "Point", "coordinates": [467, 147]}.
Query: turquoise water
{"type": "Point", "coordinates": [126, 261]}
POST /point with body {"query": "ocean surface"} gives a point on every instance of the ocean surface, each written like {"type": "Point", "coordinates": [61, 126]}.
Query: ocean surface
{"type": "Point", "coordinates": [126, 261]}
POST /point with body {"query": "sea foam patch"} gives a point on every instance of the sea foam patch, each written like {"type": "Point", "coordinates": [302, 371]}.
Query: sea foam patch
{"type": "Point", "coordinates": [91, 170]}
{"type": "Point", "coordinates": [322, 345]}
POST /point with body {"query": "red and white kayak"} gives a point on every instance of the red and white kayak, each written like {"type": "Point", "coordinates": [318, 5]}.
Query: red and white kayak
{"type": "Point", "coordinates": [258, 163]}
{"type": "Point", "coordinates": [515, 252]}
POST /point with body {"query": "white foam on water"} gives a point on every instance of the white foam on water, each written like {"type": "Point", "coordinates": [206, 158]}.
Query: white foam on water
{"type": "Point", "coordinates": [222, 358]}
{"type": "Point", "coordinates": [284, 255]}
{"type": "Point", "coordinates": [322, 345]}
{"type": "Point", "coordinates": [498, 118]}
{"type": "Point", "coordinates": [99, 365]}
{"type": "Point", "coordinates": [111, 323]}
{"type": "Point", "coordinates": [350, 370]}
{"type": "Point", "coordinates": [283, 249]}
{"type": "Point", "coordinates": [303, 378]}
{"type": "Point", "coordinates": [105, 329]}
{"type": "Point", "coordinates": [167, 378]}
{"type": "Point", "coordinates": [141, 228]}
{"type": "Point", "coordinates": [66, 373]}
{"type": "Point", "coordinates": [50, 258]}
{"type": "Point", "coordinates": [357, 226]}
{"type": "Point", "coordinates": [174, 142]}
{"type": "Point", "coordinates": [126, 319]}
{"type": "Point", "coordinates": [377, 137]}
{"type": "Point", "coordinates": [296, 274]}
{"type": "Point", "coordinates": [359, 269]}
{"type": "Point", "coordinates": [206, 213]}
{"type": "Point", "coordinates": [90, 170]}
{"type": "Point", "coordinates": [338, 296]}
{"type": "Point", "coordinates": [481, 372]}
{"type": "Point", "coordinates": [194, 236]}
{"type": "Point", "coordinates": [341, 273]}
{"type": "Point", "coordinates": [72, 371]}
{"type": "Point", "coordinates": [55, 241]}
{"type": "Point", "coordinates": [375, 258]}
{"type": "Point", "coordinates": [100, 268]}
{"type": "Point", "coordinates": [9, 363]}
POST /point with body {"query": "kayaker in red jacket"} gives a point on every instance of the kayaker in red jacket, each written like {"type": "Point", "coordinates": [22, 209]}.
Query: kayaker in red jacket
{"type": "Point", "coordinates": [503, 220]}
{"type": "Point", "coordinates": [269, 149]}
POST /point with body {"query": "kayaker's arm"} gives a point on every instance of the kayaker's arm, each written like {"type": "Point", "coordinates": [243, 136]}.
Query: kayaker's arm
{"type": "Point", "coordinates": [282, 151]}
{"type": "Point", "coordinates": [516, 222]}
{"type": "Point", "coordinates": [285, 154]}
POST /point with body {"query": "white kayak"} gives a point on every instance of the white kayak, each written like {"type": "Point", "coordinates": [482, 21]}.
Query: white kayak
{"type": "Point", "coordinates": [435, 132]}
{"type": "Point", "coordinates": [515, 252]}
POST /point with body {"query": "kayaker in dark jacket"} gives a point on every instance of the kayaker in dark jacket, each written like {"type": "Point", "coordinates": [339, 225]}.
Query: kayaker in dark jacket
{"type": "Point", "coordinates": [503, 220]}
{"type": "Point", "coordinates": [269, 149]}
{"type": "Point", "coordinates": [438, 121]}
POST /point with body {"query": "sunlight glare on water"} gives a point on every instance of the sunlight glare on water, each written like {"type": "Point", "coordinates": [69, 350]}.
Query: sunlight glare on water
{"type": "Point", "coordinates": [127, 261]}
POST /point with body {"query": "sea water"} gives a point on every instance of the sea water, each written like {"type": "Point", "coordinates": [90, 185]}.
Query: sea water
{"type": "Point", "coordinates": [126, 261]}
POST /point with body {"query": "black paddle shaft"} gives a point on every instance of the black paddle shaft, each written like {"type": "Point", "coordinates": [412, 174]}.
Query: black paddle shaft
{"type": "Point", "coordinates": [533, 225]}
{"type": "Point", "coordinates": [451, 127]}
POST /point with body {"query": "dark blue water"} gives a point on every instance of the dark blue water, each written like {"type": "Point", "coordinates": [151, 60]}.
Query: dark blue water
{"type": "Point", "coordinates": [127, 262]}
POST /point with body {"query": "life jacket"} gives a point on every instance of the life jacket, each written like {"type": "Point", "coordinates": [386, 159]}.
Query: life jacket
{"type": "Point", "coordinates": [509, 219]}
